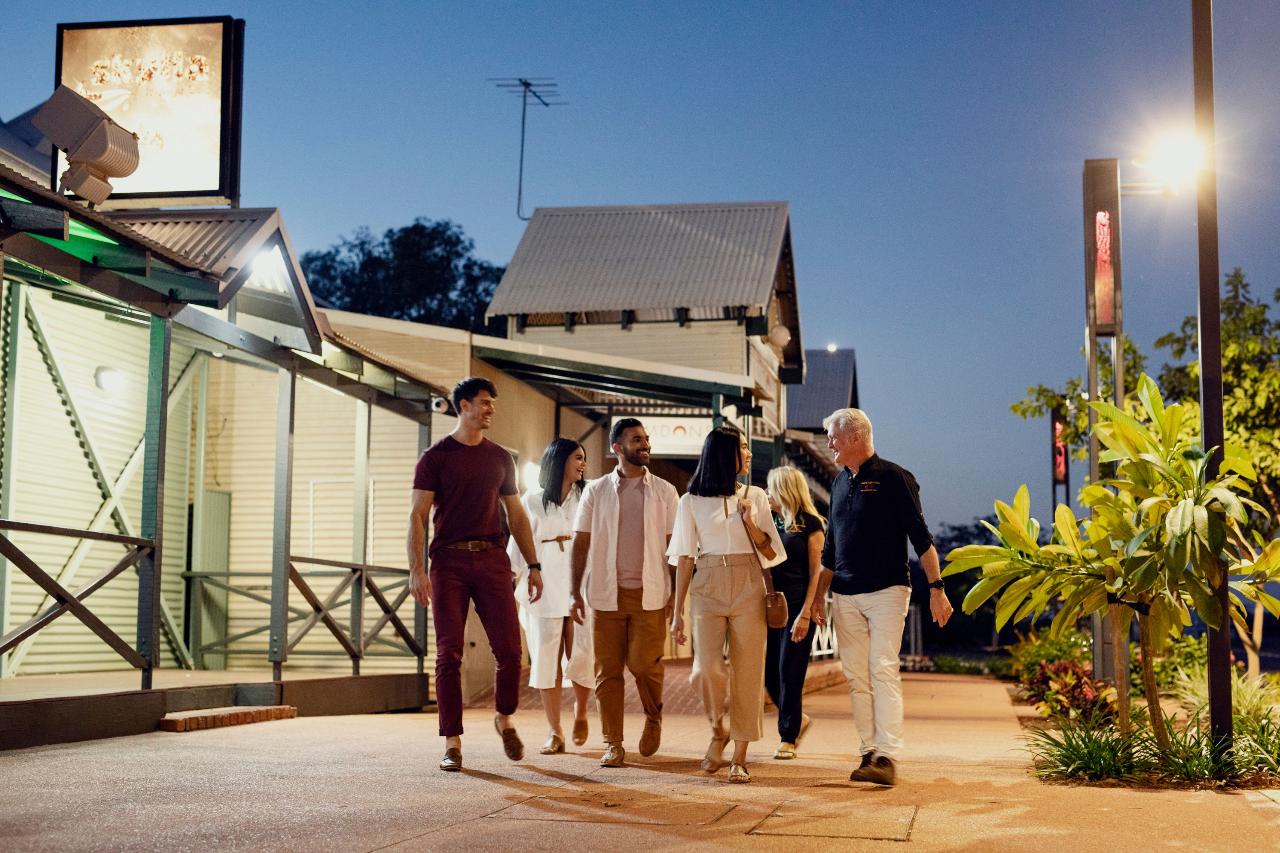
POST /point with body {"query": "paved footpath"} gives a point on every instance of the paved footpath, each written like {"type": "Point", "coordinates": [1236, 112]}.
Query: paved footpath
{"type": "Point", "coordinates": [371, 783]}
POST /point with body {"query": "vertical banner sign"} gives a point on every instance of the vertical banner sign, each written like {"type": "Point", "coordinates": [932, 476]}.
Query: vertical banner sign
{"type": "Point", "coordinates": [1102, 245]}
{"type": "Point", "coordinates": [176, 84]}
{"type": "Point", "coordinates": [1059, 446]}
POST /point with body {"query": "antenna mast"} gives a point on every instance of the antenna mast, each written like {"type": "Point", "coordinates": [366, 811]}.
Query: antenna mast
{"type": "Point", "coordinates": [545, 90]}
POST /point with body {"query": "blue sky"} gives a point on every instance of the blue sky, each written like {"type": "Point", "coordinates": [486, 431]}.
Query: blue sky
{"type": "Point", "coordinates": [931, 153]}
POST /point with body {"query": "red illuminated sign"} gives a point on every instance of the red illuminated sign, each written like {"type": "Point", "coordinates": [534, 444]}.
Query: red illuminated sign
{"type": "Point", "coordinates": [1102, 246]}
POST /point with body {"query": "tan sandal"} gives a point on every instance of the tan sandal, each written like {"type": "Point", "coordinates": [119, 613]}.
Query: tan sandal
{"type": "Point", "coordinates": [714, 759]}
{"type": "Point", "coordinates": [738, 773]}
{"type": "Point", "coordinates": [580, 731]}
{"type": "Point", "coordinates": [553, 746]}
{"type": "Point", "coordinates": [785, 752]}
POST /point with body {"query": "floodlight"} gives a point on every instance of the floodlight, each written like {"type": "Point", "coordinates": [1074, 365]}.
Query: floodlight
{"type": "Point", "coordinates": [96, 147]}
{"type": "Point", "coordinates": [1176, 159]}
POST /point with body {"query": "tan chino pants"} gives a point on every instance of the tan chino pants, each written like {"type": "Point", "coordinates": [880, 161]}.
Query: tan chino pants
{"type": "Point", "coordinates": [635, 638]}
{"type": "Point", "coordinates": [727, 605]}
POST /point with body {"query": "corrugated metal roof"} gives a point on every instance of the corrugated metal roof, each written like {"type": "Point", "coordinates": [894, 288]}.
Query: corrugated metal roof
{"type": "Point", "coordinates": [218, 239]}
{"type": "Point", "coordinates": [831, 382]}
{"type": "Point", "coordinates": [644, 256]}
{"type": "Point", "coordinates": [110, 225]}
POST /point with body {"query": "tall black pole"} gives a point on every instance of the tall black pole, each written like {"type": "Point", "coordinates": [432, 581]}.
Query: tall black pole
{"type": "Point", "coordinates": [1211, 346]}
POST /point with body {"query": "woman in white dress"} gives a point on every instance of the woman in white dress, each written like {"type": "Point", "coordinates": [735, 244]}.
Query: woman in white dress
{"type": "Point", "coordinates": [725, 531]}
{"type": "Point", "coordinates": [557, 652]}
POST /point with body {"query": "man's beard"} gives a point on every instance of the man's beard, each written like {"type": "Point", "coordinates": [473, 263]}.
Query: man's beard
{"type": "Point", "coordinates": [633, 457]}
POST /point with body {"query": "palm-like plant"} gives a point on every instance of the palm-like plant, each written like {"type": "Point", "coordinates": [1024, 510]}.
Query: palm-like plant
{"type": "Point", "coordinates": [1160, 537]}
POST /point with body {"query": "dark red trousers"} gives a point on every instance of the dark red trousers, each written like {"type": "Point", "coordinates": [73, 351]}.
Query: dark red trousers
{"type": "Point", "coordinates": [459, 578]}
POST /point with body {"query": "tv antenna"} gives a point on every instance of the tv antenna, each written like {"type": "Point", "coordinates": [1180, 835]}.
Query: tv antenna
{"type": "Point", "coordinates": [545, 91]}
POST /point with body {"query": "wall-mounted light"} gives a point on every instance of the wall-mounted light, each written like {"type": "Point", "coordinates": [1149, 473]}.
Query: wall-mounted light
{"type": "Point", "coordinates": [831, 347]}
{"type": "Point", "coordinates": [113, 380]}
{"type": "Point", "coordinates": [529, 474]}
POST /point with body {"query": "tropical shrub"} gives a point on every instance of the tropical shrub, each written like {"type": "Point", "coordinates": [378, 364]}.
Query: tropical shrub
{"type": "Point", "coordinates": [1160, 537]}
{"type": "Point", "coordinates": [1083, 749]}
{"type": "Point", "coordinates": [1038, 647]}
{"type": "Point", "coordinates": [1067, 689]}
{"type": "Point", "coordinates": [958, 665]}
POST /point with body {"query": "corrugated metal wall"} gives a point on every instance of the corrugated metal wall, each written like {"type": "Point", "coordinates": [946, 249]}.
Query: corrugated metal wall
{"type": "Point", "coordinates": [54, 485]}
{"type": "Point", "coordinates": [241, 459]}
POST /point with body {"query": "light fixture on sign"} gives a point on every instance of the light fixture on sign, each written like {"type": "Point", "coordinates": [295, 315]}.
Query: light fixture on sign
{"type": "Point", "coordinates": [1175, 160]}
{"type": "Point", "coordinates": [831, 347]}
{"type": "Point", "coordinates": [110, 379]}
{"type": "Point", "coordinates": [96, 147]}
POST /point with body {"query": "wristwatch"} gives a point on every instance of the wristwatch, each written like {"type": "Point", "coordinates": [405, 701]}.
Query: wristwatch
{"type": "Point", "coordinates": [938, 584]}
{"type": "Point", "coordinates": [535, 567]}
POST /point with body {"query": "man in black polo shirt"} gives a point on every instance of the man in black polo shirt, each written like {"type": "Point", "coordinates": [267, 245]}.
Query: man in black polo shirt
{"type": "Point", "coordinates": [875, 509]}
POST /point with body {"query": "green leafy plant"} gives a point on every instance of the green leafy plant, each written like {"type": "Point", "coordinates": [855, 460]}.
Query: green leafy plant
{"type": "Point", "coordinates": [1085, 749]}
{"type": "Point", "coordinates": [1190, 755]}
{"type": "Point", "coordinates": [1160, 537]}
{"type": "Point", "coordinates": [958, 665]}
{"type": "Point", "coordinates": [1254, 699]}
{"type": "Point", "coordinates": [1180, 654]}
{"type": "Point", "coordinates": [1039, 647]}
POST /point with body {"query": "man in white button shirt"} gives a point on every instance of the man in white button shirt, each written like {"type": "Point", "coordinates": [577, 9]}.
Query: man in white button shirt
{"type": "Point", "coordinates": [623, 527]}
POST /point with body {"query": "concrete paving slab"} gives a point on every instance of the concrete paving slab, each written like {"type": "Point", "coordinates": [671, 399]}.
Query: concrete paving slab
{"type": "Point", "coordinates": [804, 819]}
{"type": "Point", "coordinates": [370, 783]}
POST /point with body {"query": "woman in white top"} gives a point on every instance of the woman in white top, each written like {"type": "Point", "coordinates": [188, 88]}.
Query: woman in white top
{"type": "Point", "coordinates": [556, 651]}
{"type": "Point", "coordinates": [720, 529]}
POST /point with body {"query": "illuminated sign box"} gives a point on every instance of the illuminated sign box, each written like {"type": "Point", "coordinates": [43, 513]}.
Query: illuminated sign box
{"type": "Point", "coordinates": [674, 436]}
{"type": "Point", "coordinates": [1102, 246]}
{"type": "Point", "coordinates": [176, 84]}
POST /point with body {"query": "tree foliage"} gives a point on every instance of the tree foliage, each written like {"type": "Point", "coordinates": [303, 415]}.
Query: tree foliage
{"type": "Point", "coordinates": [1160, 536]}
{"type": "Point", "coordinates": [425, 272]}
{"type": "Point", "coordinates": [1251, 384]}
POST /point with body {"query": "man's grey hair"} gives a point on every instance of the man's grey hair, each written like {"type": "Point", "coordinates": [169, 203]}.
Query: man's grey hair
{"type": "Point", "coordinates": [853, 421]}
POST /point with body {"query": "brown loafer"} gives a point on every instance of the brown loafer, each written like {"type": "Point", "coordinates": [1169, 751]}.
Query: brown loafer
{"type": "Point", "coordinates": [651, 737]}
{"type": "Point", "coordinates": [452, 761]}
{"type": "Point", "coordinates": [553, 746]}
{"type": "Point", "coordinates": [580, 732]}
{"type": "Point", "coordinates": [511, 743]}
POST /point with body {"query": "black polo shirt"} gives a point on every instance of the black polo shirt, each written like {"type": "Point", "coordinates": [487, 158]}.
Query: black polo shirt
{"type": "Point", "coordinates": [873, 514]}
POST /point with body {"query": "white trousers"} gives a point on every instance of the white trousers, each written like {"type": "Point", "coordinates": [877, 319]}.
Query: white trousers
{"type": "Point", "coordinates": [552, 661]}
{"type": "Point", "coordinates": [869, 633]}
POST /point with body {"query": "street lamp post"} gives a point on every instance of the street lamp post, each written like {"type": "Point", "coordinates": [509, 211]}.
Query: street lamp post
{"type": "Point", "coordinates": [1210, 347]}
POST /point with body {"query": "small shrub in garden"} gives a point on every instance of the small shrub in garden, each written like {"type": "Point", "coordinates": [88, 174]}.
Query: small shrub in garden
{"type": "Point", "coordinates": [1179, 655]}
{"type": "Point", "coordinates": [1089, 749]}
{"type": "Point", "coordinates": [1251, 699]}
{"type": "Point", "coordinates": [1192, 758]}
{"type": "Point", "coordinates": [1030, 651]}
{"type": "Point", "coordinates": [1258, 741]}
{"type": "Point", "coordinates": [956, 665]}
{"type": "Point", "coordinates": [1067, 689]}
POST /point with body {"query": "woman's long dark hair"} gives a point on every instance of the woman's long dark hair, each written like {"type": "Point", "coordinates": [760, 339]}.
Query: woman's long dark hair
{"type": "Point", "coordinates": [717, 471]}
{"type": "Point", "coordinates": [551, 474]}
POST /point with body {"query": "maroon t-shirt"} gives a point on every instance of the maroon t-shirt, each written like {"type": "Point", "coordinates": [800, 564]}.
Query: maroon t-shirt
{"type": "Point", "coordinates": [467, 481]}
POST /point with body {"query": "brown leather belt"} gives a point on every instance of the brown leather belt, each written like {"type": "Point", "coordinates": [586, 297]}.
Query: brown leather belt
{"type": "Point", "coordinates": [559, 540]}
{"type": "Point", "coordinates": [472, 545]}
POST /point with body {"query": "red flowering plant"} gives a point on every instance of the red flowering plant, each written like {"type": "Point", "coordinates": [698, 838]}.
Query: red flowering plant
{"type": "Point", "coordinates": [1068, 689]}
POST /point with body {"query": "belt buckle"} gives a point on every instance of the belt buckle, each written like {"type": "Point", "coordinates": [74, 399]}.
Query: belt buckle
{"type": "Point", "coordinates": [475, 545]}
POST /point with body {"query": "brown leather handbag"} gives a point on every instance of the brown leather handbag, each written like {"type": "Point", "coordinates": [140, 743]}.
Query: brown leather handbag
{"type": "Point", "coordinates": [775, 603]}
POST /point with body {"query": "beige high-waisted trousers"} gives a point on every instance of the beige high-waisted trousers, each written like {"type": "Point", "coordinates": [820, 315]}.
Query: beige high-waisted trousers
{"type": "Point", "coordinates": [727, 605]}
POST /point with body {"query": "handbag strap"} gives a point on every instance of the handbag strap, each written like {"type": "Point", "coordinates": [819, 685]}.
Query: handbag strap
{"type": "Point", "coordinates": [765, 573]}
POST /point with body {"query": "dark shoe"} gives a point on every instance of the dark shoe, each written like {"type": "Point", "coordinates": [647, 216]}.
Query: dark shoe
{"type": "Point", "coordinates": [580, 732]}
{"type": "Point", "coordinates": [452, 761]}
{"type": "Point", "coordinates": [881, 772]}
{"type": "Point", "coordinates": [511, 743]}
{"type": "Point", "coordinates": [614, 756]}
{"type": "Point", "coordinates": [860, 775]}
{"type": "Point", "coordinates": [651, 737]}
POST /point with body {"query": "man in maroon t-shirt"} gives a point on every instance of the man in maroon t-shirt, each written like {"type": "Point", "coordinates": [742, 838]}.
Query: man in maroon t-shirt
{"type": "Point", "coordinates": [464, 476]}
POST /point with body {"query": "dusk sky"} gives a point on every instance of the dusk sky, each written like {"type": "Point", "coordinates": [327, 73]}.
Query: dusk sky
{"type": "Point", "coordinates": [931, 154]}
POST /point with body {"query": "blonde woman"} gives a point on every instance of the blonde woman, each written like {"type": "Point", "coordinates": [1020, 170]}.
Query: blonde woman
{"type": "Point", "coordinates": [720, 529]}
{"type": "Point", "coordinates": [559, 650]}
{"type": "Point", "coordinates": [788, 649]}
